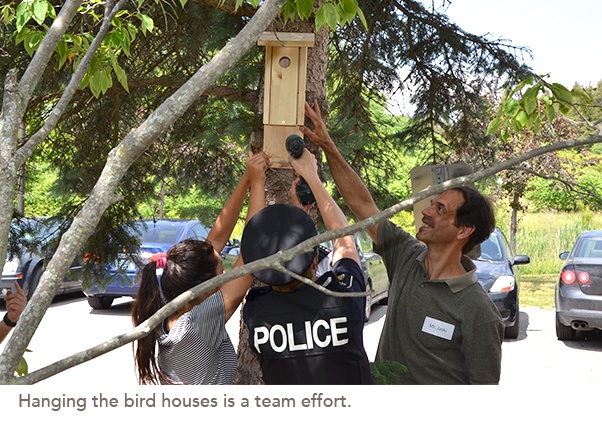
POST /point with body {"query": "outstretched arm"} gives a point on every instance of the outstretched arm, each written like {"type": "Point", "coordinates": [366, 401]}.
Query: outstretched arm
{"type": "Point", "coordinates": [306, 166]}
{"type": "Point", "coordinates": [352, 188]}
{"type": "Point", "coordinates": [226, 220]}
{"type": "Point", "coordinates": [234, 291]}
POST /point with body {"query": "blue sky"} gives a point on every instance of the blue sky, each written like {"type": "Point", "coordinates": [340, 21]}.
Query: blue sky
{"type": "Point", "coordinates": [563, 35]}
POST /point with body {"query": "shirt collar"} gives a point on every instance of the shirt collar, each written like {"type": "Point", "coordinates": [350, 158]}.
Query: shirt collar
{"type": "Point", "coordinates": [459, 283]}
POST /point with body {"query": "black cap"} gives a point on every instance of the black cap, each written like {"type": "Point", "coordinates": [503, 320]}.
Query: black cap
{"type": "Point", "coordinates": [274, 228]}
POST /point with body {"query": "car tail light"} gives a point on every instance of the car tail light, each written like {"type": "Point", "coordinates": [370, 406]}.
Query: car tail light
{"type": "Point", "coordinates": [569, 277]}
{"type": "Point", "coordinates": [583, 278]}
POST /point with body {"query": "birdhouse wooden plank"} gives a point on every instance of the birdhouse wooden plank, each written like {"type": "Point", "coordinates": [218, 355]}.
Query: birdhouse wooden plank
{"type": "Point", "coordinates": [284, 89]}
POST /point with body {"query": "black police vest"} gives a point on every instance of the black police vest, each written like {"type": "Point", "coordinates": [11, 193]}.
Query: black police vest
{"type": "Point", "coordinates": [306, 337]}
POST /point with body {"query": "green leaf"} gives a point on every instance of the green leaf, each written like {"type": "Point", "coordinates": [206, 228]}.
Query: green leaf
{"type": "Point", "coordinates": [530, 99]}
{"type": "Point", "coordinates": [536, 126]}
{"type": "Point", "coordinates": [564, 108]}
{"type": "Point", "coordinates": [387, 372]}
{"type": "Point", "coordinates": [23, 15]}
{"type": "Point", "coordinates": [550, 112]}
{"type": "Point", "coordinates": [512, 107]}
{"type": "Point", "coordinates": [495, 125]}
{"type": "Point", "coordinates": [504, 135]}
{"type": "Point", "coordinates": [328, 14]}
{"type": "Point", "coordinates": [22, 368]}
{"type": "Point", "coordinates": [522, 118]}
{"type": "Point", "coordinates": [7, 13]}
{"type": "Point", "coordinates": [32, 41]}
{"type": "Point", "coordinates": [62, 49]}
{"type": "Point", "coordinates": [561, 93]}
{"type": "Point", "coordinates": [289, 11]}
{"type": "Point", "coordinates": [96, 83]}
{"type": "Point", "coordinates": [348, 9]}
{"type": "Point", "coordinates": [360, 13]}
{"type": "Point", "coordinates": [305, 8]}
{"type": "Point", "coordinates": [121, 75]}
{"type": "Point", "coordinates": [147, 23]}
{"type": "Point", "coordinates": [40, 8]}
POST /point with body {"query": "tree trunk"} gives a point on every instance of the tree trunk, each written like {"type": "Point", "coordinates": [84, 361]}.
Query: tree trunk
{"type": "Point", "coordinates": [513, 223]}
{"type": "Point", "coordinates": [279, 181]}
{"type": "Point", "coordinates": [104, 192]}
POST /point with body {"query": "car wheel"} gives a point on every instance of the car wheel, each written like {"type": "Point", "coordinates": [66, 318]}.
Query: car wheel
{"type": "Point", "coordinates": [32, 283]}
{"type": "Point", "coordinates": [564, 333]}
{"type": "Point", "coordinates": [100, 303]}
{"type": "Point", "coordinates": [511, 332]}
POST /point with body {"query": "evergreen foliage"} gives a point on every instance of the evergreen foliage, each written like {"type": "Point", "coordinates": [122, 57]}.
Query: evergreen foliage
{"type": "Point", "coordinates": [396, 47]}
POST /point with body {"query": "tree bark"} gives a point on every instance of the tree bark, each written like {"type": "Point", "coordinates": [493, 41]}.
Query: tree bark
{"type": "Point", "coordinates": [279, 181]}
{"type": "Point", "coordinates": [275, 261]}
{"type": "Point", "coordinates": [118, 161]}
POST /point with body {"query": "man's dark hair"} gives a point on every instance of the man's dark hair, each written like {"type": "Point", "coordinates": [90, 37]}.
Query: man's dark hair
{"type": "Point", "coordinates": [476, 211]}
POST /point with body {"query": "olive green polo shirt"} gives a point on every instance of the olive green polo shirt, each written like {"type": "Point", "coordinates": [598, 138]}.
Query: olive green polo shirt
{"type": "Point", "coordinates": [443, 331]}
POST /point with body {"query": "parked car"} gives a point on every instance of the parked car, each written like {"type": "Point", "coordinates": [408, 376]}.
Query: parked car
{"type": "Point", "coordinates": [377, 280]}
{"type": "Point", "coordinates": [157, 236]}
{"type": "Point", "coordinates": [32, 246]}
{"type": "Point", "coordinates": [578, 295]}
{"type": "Point", "coordinates": [496, 274]}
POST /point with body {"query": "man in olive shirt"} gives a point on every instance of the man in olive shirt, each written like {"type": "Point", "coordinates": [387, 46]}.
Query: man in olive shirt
{"type": "Point", "coordinates": [440, 323]}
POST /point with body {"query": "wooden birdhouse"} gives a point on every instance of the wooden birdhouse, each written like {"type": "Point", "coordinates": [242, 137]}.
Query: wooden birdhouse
{"type": "Point", "coordinates": [284, 90]}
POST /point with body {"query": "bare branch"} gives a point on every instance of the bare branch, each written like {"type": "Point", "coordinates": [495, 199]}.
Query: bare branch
{"type": "Point", "coordinates": [275, 261]}
{"type": "Point", "coordinates": [118, 162]}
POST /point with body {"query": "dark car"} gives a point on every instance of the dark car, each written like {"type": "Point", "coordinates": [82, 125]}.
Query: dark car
{"type": "Point", "coordinates": [32, 248]}
{"type": "Point", "coordinates": [578, 295]}
{"type": "Point", "coordinates": [496, 274]}
{"type": "Point", "coordinates": [377, 280]}
{"type": "Point", "coordinates": [157, 236]}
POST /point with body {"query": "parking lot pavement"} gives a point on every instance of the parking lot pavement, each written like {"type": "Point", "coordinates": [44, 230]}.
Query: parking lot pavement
{"type": "Point", "coordinates": [536, 357]}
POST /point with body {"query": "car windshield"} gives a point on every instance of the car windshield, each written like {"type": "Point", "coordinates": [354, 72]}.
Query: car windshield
{"type": "Point", "coordinates": [160, 232]}
{"type": "Point", "coordinates": [588, 247]}
{"type": "Point", "coordinates": [490, 248]}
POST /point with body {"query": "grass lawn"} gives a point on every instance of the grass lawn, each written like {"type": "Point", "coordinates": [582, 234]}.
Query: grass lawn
{"type": "Point", "coordinates": [537, 290]}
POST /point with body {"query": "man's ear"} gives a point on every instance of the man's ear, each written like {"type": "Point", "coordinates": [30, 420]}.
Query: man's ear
{"type": "Point", "coordinates": [465, 231]}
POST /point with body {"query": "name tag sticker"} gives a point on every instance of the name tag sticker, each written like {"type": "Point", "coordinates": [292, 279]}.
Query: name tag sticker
{"type": "Point", "coordinates": [438, 328]}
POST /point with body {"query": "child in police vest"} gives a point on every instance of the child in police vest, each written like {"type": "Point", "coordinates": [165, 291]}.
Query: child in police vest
{"type": "Point", "coordinates": [302, 335]}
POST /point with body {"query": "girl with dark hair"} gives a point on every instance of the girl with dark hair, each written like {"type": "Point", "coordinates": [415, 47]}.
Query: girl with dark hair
{"type": "Point", "coordinates": [192, 345]}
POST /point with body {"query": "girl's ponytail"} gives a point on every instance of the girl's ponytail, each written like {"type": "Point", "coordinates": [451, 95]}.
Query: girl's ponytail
{"type": "Point", "coordinates": [149, 300]}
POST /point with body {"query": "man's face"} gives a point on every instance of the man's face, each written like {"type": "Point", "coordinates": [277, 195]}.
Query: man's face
{"type": "Point", "coordinates": [438, 219]}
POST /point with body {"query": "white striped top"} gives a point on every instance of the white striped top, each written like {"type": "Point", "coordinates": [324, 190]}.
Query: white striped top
{"type": "Point", "coordinates": [198, 350]}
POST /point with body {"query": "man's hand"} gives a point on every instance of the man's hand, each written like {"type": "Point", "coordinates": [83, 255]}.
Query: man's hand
{"type": "Point", "coordinates": [319, 135]}
{"type": "Point", "coordinates": [15, 303]}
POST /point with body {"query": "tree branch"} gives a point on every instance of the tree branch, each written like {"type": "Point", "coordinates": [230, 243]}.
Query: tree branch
{"type": "Point", "coordinates": [118, 162]}
{"type": "Point", "coordinates": [55, 115]}
{"type": "Point", "coordinates": [275, 261]}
